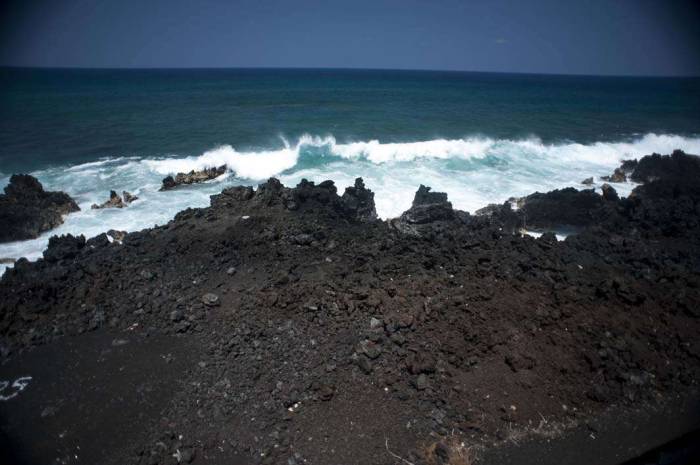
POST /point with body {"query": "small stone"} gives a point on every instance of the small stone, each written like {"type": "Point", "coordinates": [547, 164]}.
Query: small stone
{"type": "Point", "coordinates": [48, 411]}
{"type": "Point", "coordinates": [370, 349]}
{"type": "Point", "coordinates": [326, 392]}
{"type": "Point", "coordinates": [176, 315]}
{"type": "Point", "coordinates": [119, 342]}
{"type": "Point", "coordinates": [231, 271]}
{"type": "Point", "coordinates": [364, 364]}
{"type": "Point", "coordinates": [145, 274]}
{"type": "Point", "coordinates": [210, 300]}
{"type": "Point", "coordinates": [186, 455]}
{"type": "Point", "coordinates": [375, 323]}
{"type": "Point", "coordinates": [587, 181]}
{"type": "Point", "coordinates": [421, 382]}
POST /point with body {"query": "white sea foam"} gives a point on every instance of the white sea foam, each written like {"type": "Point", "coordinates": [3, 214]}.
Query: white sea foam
{"type": "Point", "coordinates": [474, 171]}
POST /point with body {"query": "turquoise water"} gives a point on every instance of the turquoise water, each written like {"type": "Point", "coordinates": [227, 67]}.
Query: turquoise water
{"type": "Point", "coordinates": [480, 137]}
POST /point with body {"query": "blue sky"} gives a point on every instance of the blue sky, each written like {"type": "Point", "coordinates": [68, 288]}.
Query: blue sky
{"type": "Point", "coordinates": [630, 37]}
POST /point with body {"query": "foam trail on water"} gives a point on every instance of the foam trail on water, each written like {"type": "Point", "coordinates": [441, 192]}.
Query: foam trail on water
{"type": "Point", "coordinates": [474, 171]}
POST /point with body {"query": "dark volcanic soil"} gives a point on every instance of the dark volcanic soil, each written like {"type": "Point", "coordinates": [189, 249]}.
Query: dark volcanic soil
{"type": "Point", "coordinates": [291, 326]}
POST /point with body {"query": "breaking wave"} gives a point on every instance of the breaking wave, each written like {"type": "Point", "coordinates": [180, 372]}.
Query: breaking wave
{"type": "Point", "coordinates": [257, 165]}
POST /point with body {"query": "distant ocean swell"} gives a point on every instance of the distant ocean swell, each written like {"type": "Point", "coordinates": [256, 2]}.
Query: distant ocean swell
{"type": "Point", "coordinates": [474, 171]}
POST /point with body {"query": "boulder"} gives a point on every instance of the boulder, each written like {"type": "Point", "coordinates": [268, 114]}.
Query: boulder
{"type": "Point", "coordinates": [428, 207]}
{"type": "Point", "coordinates": [677, 167]}
{"type": "Point", "coordinates": [359, 202]}
{"type": "Point", "coordinates": [617, 176]}
{"type": "Point", "coordinates": [63, 247]}
{"type": "Point", "coordinates": [193, 177]}
{"type": "Point", "coordinates": [26, 210]}
{"type": "Point", "coordinates": [116, 235]}
{"type": "Point", "coordinates": [609, 193]}
{"type": "Point", "coordinates": [560, 208]}
{"type": "Point", "coordinates": [128, 197]}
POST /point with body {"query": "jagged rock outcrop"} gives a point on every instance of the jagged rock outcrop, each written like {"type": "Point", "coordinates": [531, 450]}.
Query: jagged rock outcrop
{"type": "Point", "coordinates": [356, 204]}
{"type": "Point", "coordinates": [428, 207]}
{"type": "Point", "coordinates": [679, 168]}
{"type": "Point", "coordinates": [427, 214]}
{"type": "Point", "coordinates": [609, 193]}
{"type": "Point", "coordinates": [115, 201]}
{"type": "Point", "coordinates": [621, 173]}
{"type": "Point", "coordinates": [359, 201]}
{"type": "Point", "coordinates": [559, 208]}
{"type": "Point", "coordinates": [63, 247]}
{"type": "Point", "coordinates": [27, 210]}
{"type": "Point", "coordinates": [193, 177]}
{"type": "Point", "coordinates": [129, 197]}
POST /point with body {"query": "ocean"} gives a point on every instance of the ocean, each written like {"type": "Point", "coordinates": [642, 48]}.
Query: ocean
{"type": "Point", "coordinates": [480, 137]}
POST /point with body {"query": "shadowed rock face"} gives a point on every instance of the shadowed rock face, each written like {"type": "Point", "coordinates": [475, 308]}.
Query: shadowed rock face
{"type": "Point", "coordinates": [26, 210]}
{"type": "Point", "coordinates": [559, 208]}
{"type": "Point", "coordinates": [679, 168]}
{"type": "Point", "coordinates": [360, 201]}
{"type": "Point", "coordinates": [193, 177]}
{"type": "Point", "coordinates": [428, 207]}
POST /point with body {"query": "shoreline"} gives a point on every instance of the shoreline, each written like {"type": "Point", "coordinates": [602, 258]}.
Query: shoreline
{"type": "Point", "coordinates": [287, 312]}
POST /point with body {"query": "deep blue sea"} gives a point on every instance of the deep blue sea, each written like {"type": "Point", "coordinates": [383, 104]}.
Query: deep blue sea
{"type": "Point", "coordinates": [480, 137]}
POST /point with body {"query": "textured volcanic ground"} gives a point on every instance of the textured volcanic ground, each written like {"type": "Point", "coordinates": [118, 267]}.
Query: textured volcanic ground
{"type": "Point", "coordinates": [289, 326]}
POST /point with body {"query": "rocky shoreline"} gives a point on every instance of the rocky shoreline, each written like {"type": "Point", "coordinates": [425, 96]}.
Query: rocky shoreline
{"type": "Point", "coordinates": [27, 210]}
{"type": "Point", "coordinates": [293, 326]}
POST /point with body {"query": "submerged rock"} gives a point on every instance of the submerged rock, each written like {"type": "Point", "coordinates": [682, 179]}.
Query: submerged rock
{"type": "Point", "coordinates": [114, 202]}
{"type": "Point", "coordinates": [27, 210]}
{"type": "Point", "coordinates": [128, 197]}
{"type": "Point", "coordinates": [617, 176]}
{"type": "Point", "coordinates": [193, 177]}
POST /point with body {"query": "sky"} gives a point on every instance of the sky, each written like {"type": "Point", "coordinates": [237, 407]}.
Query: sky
{"type": "Point", "coordinates": [607, 37]}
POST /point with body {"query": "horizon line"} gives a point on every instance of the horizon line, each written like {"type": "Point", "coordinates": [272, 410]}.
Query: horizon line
{"type": "Point", "coordinates": [315, 68]}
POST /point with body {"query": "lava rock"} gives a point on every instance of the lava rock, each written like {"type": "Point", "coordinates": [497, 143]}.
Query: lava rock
{"type": "Point", "coordinates": [193, 177]}
{"type": "Point", "coordinates": [359, 202]}
{"type": "Point", "coordinates": [128, 197]}
{"type": "Point", "coordinates": [26, 210]}
{"type": "Point", "coordinates": [679, 166]}
{"type": "Point", "coordinates": [63, 247]}
{"type": "Point", "coordinates": [609, 193]}
{"type": "Point", "coordinates": [428, 207]}
{"type": "Point", "coordinates": [210, 300]}
{"type": "Point", "coordinates": [114, 202]}
{"type": "Point", "coordinates": [560, 208]}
